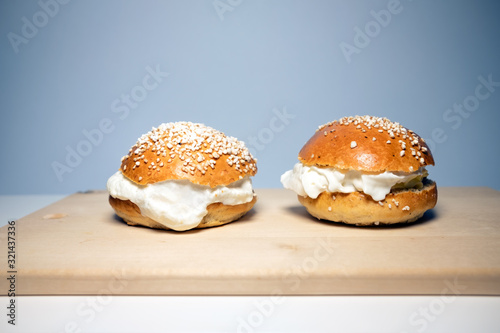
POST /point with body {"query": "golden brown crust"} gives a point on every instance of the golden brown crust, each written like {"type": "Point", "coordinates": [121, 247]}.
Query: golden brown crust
{"type": "Point", "coordinates": [360, 209]}
{"type": "Point", "coordinates": [218, 213]}
{"type": "Point", "coordinates": [356, 143]}
{"type": "Point", "coordinates": [190, 151]}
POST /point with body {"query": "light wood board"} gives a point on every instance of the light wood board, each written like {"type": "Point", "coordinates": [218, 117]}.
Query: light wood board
{"type": "Point", "coordinates": [275, 249]}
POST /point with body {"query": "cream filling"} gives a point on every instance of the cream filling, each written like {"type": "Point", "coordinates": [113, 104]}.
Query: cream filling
{"type": "Point", "coordinates": [178, 204]}
{"type": "Point", "coordinates": [311, 181]}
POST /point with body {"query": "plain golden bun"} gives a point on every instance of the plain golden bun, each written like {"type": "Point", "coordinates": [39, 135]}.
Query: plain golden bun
{"type": "Point", "coordinates": [366, 143]}
{"type": "Point", "coordinates": [185, 150]}
{"type": "Point", "coordinates": [359, 209]}
{"type": "Point", "coordinates": [218, 214]}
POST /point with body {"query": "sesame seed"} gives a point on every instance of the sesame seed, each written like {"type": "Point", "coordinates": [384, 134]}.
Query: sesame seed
{"type": "Point", "coordinates": [325, 133]}
{"type": "Point", "coordinates": [334, 197]}
{"type": "Point", "coordinates": [393, 129]}
{"type": "Point", "coordinates": [187, 141]}
{"type": "Point", "coordinates": [422, 161]}
{"type": "Point", "coordinates": [374, 139]}
{"type": "Point", "coordinates": [353, 144]}
{"type": "Point", "coordinates": [140, 178]}
{"type": "Point", "coordinates": [329, 209]}
{"type": "Point", "coordinates": [406, 208]}
{"type": "Point", "coordinates": [137, 163]}
{"type": "Point", "coordinates": [380, 203]}
{"type": "Point", "coordinates": [402, 153]}
{"type": "Point", "coordinates": [390, 206]}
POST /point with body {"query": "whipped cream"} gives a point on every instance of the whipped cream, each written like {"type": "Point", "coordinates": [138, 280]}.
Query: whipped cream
{"type": "Point", "coordinates": [311, 181]}
{"type": "Point", "coordinates": [178, 204]}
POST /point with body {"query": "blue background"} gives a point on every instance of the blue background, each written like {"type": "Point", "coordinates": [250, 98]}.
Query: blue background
{"type": "Point", "coordinates": [231, 69]}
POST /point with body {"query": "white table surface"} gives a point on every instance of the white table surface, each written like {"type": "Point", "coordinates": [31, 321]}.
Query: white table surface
{"type": "Point", "coordinates": [239, 313]}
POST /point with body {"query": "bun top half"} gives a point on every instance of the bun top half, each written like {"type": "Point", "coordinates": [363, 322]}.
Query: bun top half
{"type": "Point", "coordinates": [366, 143]}
{"type": "Point", "coordinates": [185, 150]}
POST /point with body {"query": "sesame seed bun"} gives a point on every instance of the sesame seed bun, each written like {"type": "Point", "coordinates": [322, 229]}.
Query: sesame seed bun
{"type": "Point", "coordinates": [185, 150]}
{"type": "Point", "coordinates": [366, 144]}
{"type": "Point", "coordinates": [370, 145]}
{"type": "Point", "coordinates": [218, 214]}
{"type": "Point", "coordinates": [359, 209]}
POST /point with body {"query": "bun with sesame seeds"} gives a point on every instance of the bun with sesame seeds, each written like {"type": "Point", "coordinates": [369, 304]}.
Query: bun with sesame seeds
{"type": "Point", "coordinates": [366, 144]}
{"type": "Point", "coordinates": [364, 171]}
{"type": "Point", "coordinates": [181, 176]}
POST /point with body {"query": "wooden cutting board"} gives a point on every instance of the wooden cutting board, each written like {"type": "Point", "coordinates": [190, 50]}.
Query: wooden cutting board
{"type": "Point", "coordinates": [275, 249]}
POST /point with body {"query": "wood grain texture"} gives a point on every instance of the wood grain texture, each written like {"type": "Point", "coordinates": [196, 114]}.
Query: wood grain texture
{"type": "Point", "coordinates": [277, 248]}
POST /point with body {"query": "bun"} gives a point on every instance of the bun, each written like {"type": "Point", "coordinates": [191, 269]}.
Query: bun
{"type": "Point", "coordinates": [196, 154]}
{"type": "Point", "coordinates": [367, 144]}
{"type": "Point", "coordinates": [185, 150]}
{"type": "Point", "coordinates": [218, 214]}
{"type": "Point", "coordinates": [378, 151]}
{"type": "Point", "coordinates": [359, 209]}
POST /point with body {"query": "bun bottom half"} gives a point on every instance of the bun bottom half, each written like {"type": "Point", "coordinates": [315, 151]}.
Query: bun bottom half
{"type": "Point", "coordinates": [360, 209]}
{"type": "Point", "coordinates": [218, 214]}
